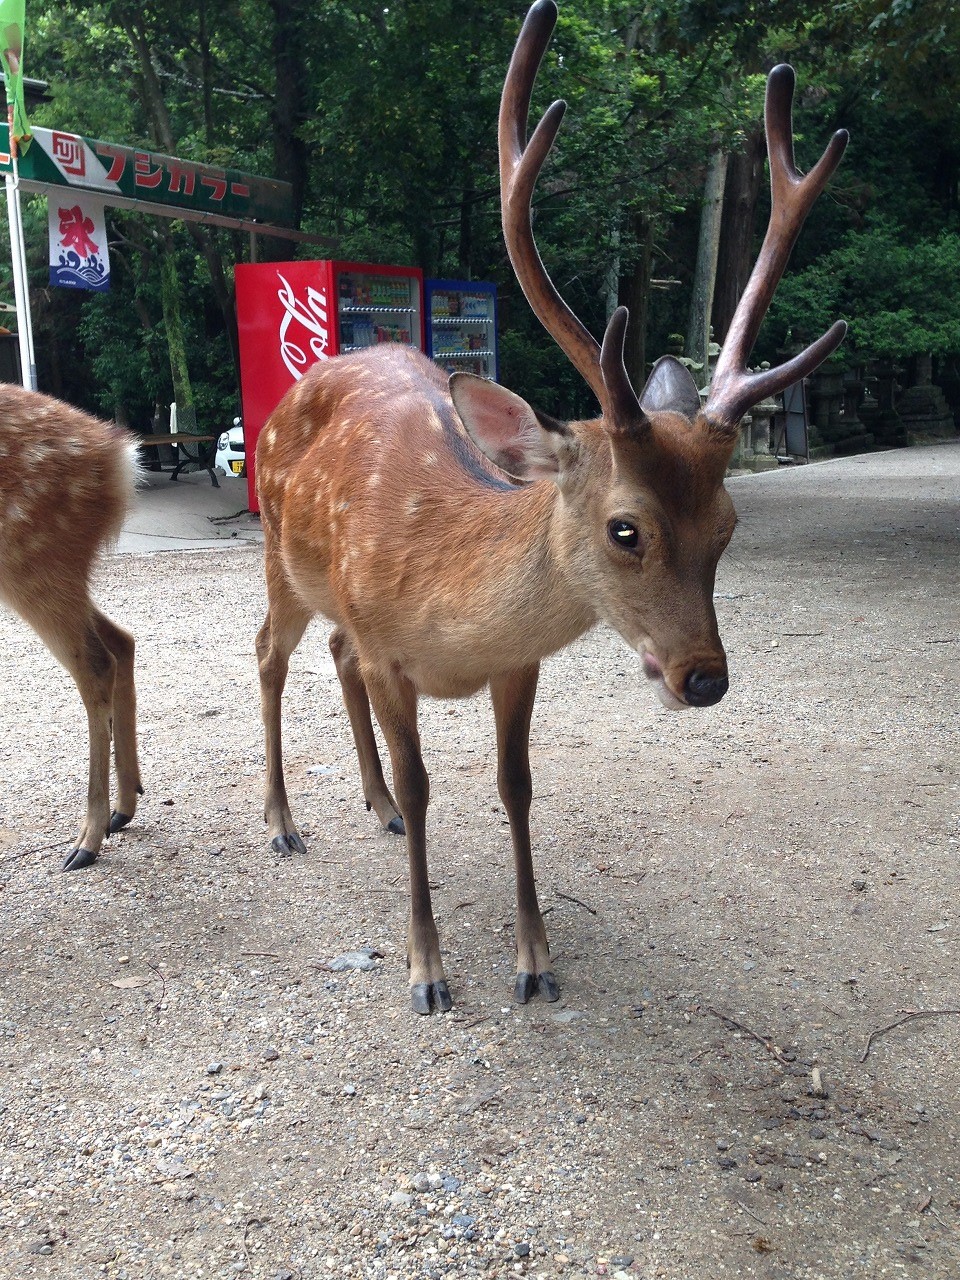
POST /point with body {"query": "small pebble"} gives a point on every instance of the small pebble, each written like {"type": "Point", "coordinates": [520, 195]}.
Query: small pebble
{"type": "Point", "coordinates": [363, 960]}
{"type": "Point", "coordinates": [214, 1068]}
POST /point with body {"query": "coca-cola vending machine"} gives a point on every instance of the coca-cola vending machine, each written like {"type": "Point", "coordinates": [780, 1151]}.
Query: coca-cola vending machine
{"type": "Point", "coordinates": [292, 314]}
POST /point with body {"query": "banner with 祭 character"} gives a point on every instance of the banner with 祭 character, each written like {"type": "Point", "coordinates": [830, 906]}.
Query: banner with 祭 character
{"type": "Point", "coordinates": [79, 258]}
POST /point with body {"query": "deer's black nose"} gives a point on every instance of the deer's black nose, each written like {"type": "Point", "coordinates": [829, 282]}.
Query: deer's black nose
{"type": "Point", "coordinates": [703, 690]}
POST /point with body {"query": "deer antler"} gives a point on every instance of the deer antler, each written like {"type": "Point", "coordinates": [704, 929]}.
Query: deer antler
{"type": "Point", "coordinates": [520, 165]}
{"type": "Point", "coordinates": [734, 390]}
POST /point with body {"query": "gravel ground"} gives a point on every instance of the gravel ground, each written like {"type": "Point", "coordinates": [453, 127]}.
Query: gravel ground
{"type": "Point", "coordinates": [737, 899]}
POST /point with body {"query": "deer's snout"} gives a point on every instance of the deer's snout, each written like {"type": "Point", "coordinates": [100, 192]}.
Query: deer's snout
{"type": "Point", "coordinates": [701, 689]}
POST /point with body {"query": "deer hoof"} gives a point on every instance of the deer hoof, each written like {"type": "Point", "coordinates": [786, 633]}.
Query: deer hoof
{"type": "Point", "coordinates": [118, 821]}
{"type": "Point", "coordinates": [288, 844]}
{"type": "Point", "coordinates": [79, 858]}
{"type": "Point", "coordinates": [395, 827]}
{"type": "Point", "coordinates": [426, 996]}
{"type": "Point", "coordinates": [547, 986]}
{"type": "Point", "coordinates": [527, 983]}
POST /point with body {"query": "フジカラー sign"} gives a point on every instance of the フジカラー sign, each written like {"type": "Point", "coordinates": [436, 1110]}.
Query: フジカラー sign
{"type": "Point", "coordinates": [129, 173]}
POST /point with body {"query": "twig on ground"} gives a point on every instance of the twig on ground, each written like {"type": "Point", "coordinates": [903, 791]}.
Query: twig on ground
{"type": "Point", "coordinates": [25, 853]}
{"type": "Point", "coordinates": [907, 1017]}
{"type": "Point", "coordinates": [755, 1216]}
{"type": "Point", "coordinates": [766, 1041]}
{"type": "Point", "coordinates": [163, 985]}
{"type": "Point", "coordinates": [567, 897]}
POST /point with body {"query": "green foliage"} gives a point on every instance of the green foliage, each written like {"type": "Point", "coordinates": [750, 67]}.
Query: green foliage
{"type": "Point", "coordinates": [891, 291]}
{"type": "Point", "coordinates": [384, 117]}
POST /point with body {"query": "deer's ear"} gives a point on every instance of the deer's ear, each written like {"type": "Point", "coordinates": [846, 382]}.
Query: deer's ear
{"type": "Point", "coordinates": [521, 441]}
{"type": "Point", "coordinates": [671, 386]}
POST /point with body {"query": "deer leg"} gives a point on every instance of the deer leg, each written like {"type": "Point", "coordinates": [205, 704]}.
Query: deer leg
{"type": "Point", "coordinates": [121, 645]}
{"type": "Point", "coordinates": [394, 700]}
{"type": "Point", "coordinates": [93, 668]}
{"type": "Point", "coordinates": [513, 697]}
{"type": "Point", "coordinates": [66, 622]}
{"type": "Point", "coordinates": [280, 634]}
{"type": "Point", "coordinates": [355, 699]}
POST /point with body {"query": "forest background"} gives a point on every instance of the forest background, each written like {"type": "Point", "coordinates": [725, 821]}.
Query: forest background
{"type": "Point", "coordinates": [383, 119]}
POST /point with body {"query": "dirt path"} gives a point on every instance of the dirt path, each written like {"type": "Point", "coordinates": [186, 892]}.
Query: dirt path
{"type": "Point", "coordinates": [737, 899]}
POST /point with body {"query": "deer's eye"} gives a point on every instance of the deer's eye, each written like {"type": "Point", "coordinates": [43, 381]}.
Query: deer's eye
{"type": "Point", "coordinates": [623, 534]}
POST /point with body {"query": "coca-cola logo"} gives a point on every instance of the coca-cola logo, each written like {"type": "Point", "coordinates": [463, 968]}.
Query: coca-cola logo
{"type": "Point", "coordinates": [310, 313]}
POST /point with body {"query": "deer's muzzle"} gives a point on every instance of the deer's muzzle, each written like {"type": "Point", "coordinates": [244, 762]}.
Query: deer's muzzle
{"type": "Point", "coordinates": [702, 689]}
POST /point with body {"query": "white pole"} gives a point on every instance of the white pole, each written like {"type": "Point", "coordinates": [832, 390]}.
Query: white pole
{"type": "Point", "coordinates": [18, 257]}
{"type": "Point", "coordinates": [21, 287]}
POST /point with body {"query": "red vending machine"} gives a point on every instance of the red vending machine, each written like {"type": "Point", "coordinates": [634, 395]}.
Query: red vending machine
{"type": "Point", "coordinates": [292, 314]}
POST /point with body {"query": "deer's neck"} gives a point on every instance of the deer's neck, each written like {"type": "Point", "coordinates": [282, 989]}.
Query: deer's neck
{"type": "Point", "coordinates": [523, 576]}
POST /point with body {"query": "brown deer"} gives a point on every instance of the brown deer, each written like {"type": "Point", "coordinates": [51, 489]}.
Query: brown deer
{"type": "Point", "coordinates": [66, 481]}
{"type": "Point", "coordinates": [456, 536]}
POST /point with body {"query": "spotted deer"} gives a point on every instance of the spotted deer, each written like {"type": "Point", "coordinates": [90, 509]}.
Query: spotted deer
{"type": "Point", "coordinates": [455, 535]}
{"type": "Point", "coordinates": [66, 481]}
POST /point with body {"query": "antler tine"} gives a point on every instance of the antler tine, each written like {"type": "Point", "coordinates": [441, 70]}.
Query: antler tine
{"type": "Point", "coordinates": [520, 165]}
{"type": "Point", "coordinates": [733, 390]}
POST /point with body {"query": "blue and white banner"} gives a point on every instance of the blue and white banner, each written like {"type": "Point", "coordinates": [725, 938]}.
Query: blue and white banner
{"type": "Point", "coordinates": [79, 258]}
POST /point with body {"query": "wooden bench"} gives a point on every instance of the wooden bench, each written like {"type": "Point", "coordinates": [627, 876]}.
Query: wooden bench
{"type": "Point", "coordinates": [179, 441]}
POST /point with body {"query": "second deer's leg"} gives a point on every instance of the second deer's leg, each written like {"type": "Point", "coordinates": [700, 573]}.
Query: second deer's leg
{"type": "Point", "coordinates": [121, 645]}
{"type": "Point", "coordinates": [280, 634]}
{"type": "Point", "coordinates": [513, 696]}
{"type": "Point", "coordinates": [93, 668]}
{"type": "Point", "coordinates": [355, 699]}
{"type": "Point", "coordinates": [394, 700]}
{"type": "Point", "coordinates": [66, 622]}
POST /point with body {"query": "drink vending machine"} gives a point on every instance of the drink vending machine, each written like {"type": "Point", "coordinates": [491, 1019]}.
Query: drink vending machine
{"type": "Point", "coordinates": [292, 314]}
{"type": "Point", "coordinates": [462, 325]}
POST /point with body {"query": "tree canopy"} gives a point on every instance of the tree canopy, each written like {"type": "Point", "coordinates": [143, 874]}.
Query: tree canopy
{"type": "Point", "coordinates": [383, 119]}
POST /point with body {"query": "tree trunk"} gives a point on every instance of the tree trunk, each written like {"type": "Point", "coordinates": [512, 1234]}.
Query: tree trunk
{"type": "Point", "coordinates": [611, 276]}
{"type": "Point", "coordinates": [465, 238]}
{"type": "Point", "coordinates": [744, 180]}
{"type": "Point", "coordinates": [635, 294]}
{"type": "Point", "coordinates": [705, 275]}
{"type": "Point", "coordinates": [289, 107]}
{"type": "Point", "coordinates": [173, 323]}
